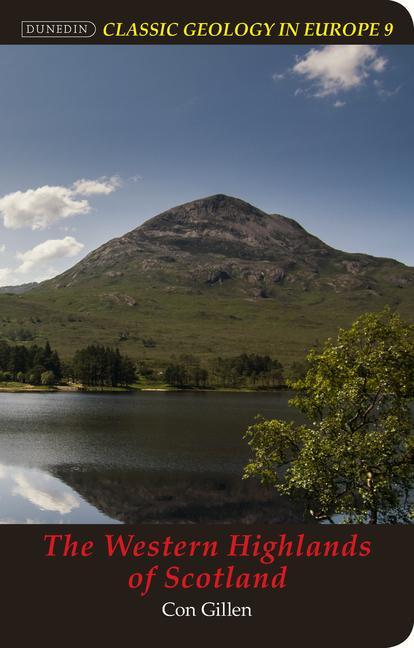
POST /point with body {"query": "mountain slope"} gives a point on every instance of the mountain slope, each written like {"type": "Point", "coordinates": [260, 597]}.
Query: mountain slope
{"type": "Point", "coordinates": [18, 289]}
{"type": "Point", "coordinates": [220, 238]}
{"type": "Point", "coordinates": [215, 276]}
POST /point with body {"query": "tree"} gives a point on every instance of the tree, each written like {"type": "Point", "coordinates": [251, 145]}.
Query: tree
{"type": "Point", "coordinates": [353, 456]}
{"type": "Point", "coordinates": [102, 366]}
{"type": "Point", "coordinates": [27, 363]}
{"type": "Point", "coordinates": [250, 370]}
{"type": "Point", "coordinates": [176, 375]}
{"type": "Point", "coordinates": [128, 372]}
{"type": "Point", "coordinates": [35, 376]}
{"type": "Point", "coordinates": [48, 378]}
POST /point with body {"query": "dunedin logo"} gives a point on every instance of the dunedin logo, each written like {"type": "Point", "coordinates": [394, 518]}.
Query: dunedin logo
{"type": "Point", "coordinates": [57, 29]}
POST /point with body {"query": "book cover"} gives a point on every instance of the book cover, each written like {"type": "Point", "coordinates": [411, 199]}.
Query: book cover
{"type": "Point", "coordinates": [207, 324]}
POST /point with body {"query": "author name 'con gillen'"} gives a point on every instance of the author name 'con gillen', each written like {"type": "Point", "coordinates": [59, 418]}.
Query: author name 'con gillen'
{"type": "Point", "coordinates": [207, 609]}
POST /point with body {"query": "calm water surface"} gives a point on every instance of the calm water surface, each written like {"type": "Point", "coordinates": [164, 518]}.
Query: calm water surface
{"type": "Point", "coordinates": [149, 457]}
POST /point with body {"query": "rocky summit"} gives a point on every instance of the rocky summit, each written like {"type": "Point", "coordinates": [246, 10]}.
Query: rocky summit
{"type": "Point", "coordinates": [215, 276]}
{"type": "Point", "coordinates": [218, 239]}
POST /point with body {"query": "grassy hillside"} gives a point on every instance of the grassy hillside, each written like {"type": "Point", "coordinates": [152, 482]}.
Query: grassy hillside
{"type": "Point", "coordinates": [214, 322]}
{"type": "Point", "coordinates": [214, 277]}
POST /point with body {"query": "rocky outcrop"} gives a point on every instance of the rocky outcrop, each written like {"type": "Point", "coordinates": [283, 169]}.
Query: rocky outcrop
{"type": "Point", "coordinates": [222, 240]}
{"type": "Point", "coordinates": [217, 276]}
{"type": "Point", "coordinates": [119, 299]}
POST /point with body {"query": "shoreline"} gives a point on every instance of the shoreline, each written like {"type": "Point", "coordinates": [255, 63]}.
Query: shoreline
{"type": "Point", "coordinates": [32, 389]}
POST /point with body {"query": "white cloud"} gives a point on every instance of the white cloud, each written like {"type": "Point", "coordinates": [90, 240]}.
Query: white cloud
{"type": "Point", "coordinates": [102, 185]}
{"type": "Point", "coordinates": [338, 68]}
{"type": "Point", "coordinates": [339, 104]}
{"type": "Point", "coordinates": [39, 208]}
{"type": "Point", "coordinates": [37, 261]}
{"type": "Point", "coordinates": [11, 277]}
{"type": "Point", "coordinates": [379, 64]}
{"type": "Point", "coordinates": [384, 93]}
{"type": "Point", "coordinates": [48, 251]}
{"type": "Point", "coordinates": [277, 77]}
{"type": "Point", "coordinates": [2, 248]}
{"type": "Point", "coordinates": [7, 277]}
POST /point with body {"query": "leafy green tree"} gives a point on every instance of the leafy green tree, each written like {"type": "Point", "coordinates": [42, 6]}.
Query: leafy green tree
{"type": "Point", "coordinates": [353, 455]}
{"type": "Point", "coordinates": [21, 362]}
{"type": "Point", "coordinates": [48, 378]}
{"type": "Point", "coordinates": [35, 376]}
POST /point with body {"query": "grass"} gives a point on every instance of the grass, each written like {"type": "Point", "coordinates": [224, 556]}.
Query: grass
{"type": "Point", "coordinates": [23, 387]}
{"type": "Point", "coordinates": [207, 322]}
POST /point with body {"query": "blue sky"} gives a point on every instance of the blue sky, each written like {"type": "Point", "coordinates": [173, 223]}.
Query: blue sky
{"type": "Point", "coordinates": [321, 135]}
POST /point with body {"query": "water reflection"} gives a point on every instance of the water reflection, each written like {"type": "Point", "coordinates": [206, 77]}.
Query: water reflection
{"type": "Point", "coordinates": [143, 457]}
{"type": "Point", "coordinates": [29, 495]}
{"type": "Point", "coordinates": [152, 497]}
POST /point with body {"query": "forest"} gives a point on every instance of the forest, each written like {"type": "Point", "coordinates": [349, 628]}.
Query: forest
{"type": "Point", "coordinates": [102, 366]}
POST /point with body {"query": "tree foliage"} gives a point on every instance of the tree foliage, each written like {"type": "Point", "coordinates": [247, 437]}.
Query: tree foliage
{"type": "Point", "coordinates": [245, 370]}
{"type": "Point", "coordinates": [101, 366]}
{"type": "Point", "coordinates": [28, 363]}
{"type": "Point", "coordinates": [353, 455]}
{"type": "Point", "coordinates": [248, 370]}
{"type": "Point", "coordinates": [180, 375]}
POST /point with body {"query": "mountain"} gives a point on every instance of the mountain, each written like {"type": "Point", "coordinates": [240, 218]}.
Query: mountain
{"type": "Point", "coordinates": [220, 238]}
{"type": "Point", "coordinates": [215, 276]}
{"type": "Point", "coordinates": [18, 289]}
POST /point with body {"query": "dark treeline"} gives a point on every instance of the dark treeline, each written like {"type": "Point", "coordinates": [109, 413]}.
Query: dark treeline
{"type": "Point", "coordinates": [245, 370]}
{"type": "Point", "coordinates": [181, 375]}
{"type": "Point", "coordinates": [101, 366]}
{"type": "Point", "coordinates": [250, 370]}
{"type": "Point", "coordinates": [33, 364]}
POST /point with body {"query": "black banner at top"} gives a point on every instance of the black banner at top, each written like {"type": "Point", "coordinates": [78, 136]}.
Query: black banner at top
{"type": "Point", "coordinates": [321, 22]}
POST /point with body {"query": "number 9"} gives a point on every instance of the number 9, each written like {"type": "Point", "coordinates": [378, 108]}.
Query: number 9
{"type": "Point", "coordinates": [388, 29]}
